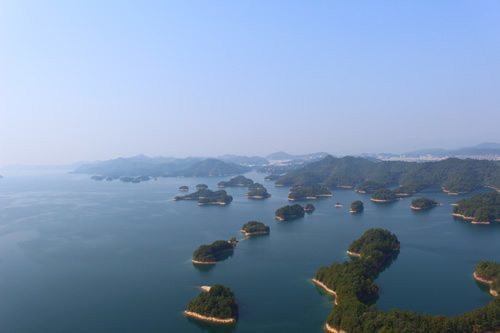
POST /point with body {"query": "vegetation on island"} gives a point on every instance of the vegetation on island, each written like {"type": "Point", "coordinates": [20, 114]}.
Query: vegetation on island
{"type": "Point", "coordinates": [423, 204]}
{"type": "Point", "coordinates": [384, 195]}
{"type": "Point", "coordinates": [484, 207]}
{"type": "Point", "coordinates": [257, 191]}
{"type": "Point", "coordinates": [489, 272]}
{"type": "Point", "coordinates": [183, 188]}
{"type": "Point", "coordinates": [356, 293]}
{"type": "Point", "coordinates": [303, 192]}
{"type": "Point", "coordinates": [238, 181]}
{"type": "Point", "coordinates": [369, 186]}
{"type": "Point", "coordinates": [211, 253]}
{"type": "Point", "coordinates": [207, 197]}
{"type": "Point", "coordinates": [201, 186]}
{"type": "Point", "coordinates": [255, 228]}
{"type": "Point", "coordinates": [289, 212]}
{"type": "Point", "coordinates": [357, 206]}
{"type": "Point", "coordinates": [452, 174]}
{"type": "Point", "coordinates": [218, 302]}
{"type": "Point", "coordinates": [309, 208]}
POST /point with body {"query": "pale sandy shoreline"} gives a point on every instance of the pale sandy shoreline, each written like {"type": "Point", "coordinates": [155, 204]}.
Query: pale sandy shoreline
{"type": "Point", "coordinates": [354, 254]}
{"type": "Point", "coordinates": [209, 319]}
{"type": "Point", "coordinates": [485, 281]}
{"type": "Point", "coordinates": [380, 200]}
{"type": "Point", "coordinates": [325, 288]}
{"type": "Point", "coordinates": [197, 262]}
{"type": "Point", "coordinates": [250, 234]}
{"type": "Point", "coordinates": [331, 329]}
{"type": "Point", "coordinates": [469, 218]}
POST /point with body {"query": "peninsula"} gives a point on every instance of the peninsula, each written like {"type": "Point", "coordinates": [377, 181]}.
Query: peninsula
{"type": "Point", "coordinates": [482, 208]}
{"type": "Point", "coordinates": [216, 304]}
{"type": "Point", "coordinates": [355, 291]}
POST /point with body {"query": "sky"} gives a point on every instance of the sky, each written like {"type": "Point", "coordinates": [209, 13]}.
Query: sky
{"type": "Point", "coordinates": [93, 80]}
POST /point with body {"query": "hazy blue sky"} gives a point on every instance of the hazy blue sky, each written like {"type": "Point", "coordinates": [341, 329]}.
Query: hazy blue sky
{"type": "Point", "coordinates": [86, 80]}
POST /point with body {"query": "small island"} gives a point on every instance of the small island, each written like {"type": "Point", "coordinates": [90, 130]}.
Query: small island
{"type": "Point", "coordinates": [423, 204]}
{"type": "Point", "coordinates": [489, 273]}
{"type": "Point", "coordinates": [288, 213]}
{"type": "Point", "coordinates": [254, 228]}
{"type": "Point", "coordinates": [207, 197]}
{"type": "Point", "coordinates": [215, 304]}
{"type": "Point", "coordinates": [238, 181]}
{"type": "Point", "coordinates": [357, 207]}
{"type": "Point", "coordinates": [383, 195]}
{"type": "Point", "coordinates": [482, 208]}
{"type": "Point", "coordinates": [373, 241]}
{"type": "Point", "coordinates": [184, 188]}
{"type": "Point", "coordinates": [309, 208]}
{"type": "Point", "coordinates": [201, 187]}
{"type": "Point", "coordinates": [211, 253]}
{"type": "Point", "coordinates": [257, 191]}
{"type": "Point", "coordinates": [308, 192]}
{"type": "Point", "coordinates": [368, 187]}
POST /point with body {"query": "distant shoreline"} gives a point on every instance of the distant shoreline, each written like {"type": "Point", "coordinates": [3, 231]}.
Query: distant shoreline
{"type": "Point", "coordinates": [198, 262]}
{"type": "Point", "coordinates": [257, 233]}
{"type": "Point", "coordinates": [469, 218]}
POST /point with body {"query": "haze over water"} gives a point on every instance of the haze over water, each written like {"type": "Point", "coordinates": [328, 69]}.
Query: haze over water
{"type": "Point", "coordinates": [84, 256]}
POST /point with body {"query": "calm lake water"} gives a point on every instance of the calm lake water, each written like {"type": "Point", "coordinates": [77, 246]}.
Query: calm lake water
{"type": "Point", "coordinates": [78, 255]}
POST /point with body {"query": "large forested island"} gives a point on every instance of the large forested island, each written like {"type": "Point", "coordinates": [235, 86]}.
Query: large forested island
{"type": "Point", "coordinates": [309, 192]}
{"type": "Point", "coordinates": [211, 253]}
{"type": "Point", "coordinates": [355, 292]}
{"type": "Point", "coordinates": [289, 212]}
{"type": "Point", "coordinates": [453, 174]}
{"type": "Point", "coordinates": [423, 204]}
{"type": "Point", "coordinates": [489, 273]}
{"type": "Point", "coordinates": [217, 305]}
{"type": "Point", "coordinates": [383, 195]}
{"type": "Point", "coordinates": [207, 197]}
{"type": "Point", "coordinates": [357, 207]}
{"type": "Point", "coordinates": [482, 208]}
{"type": "Point", "coordinates": [254, 228]}
{"type": "Point", "coordinates": [238, 181]}
{"type": "Point", "coordinates": [257, 191]}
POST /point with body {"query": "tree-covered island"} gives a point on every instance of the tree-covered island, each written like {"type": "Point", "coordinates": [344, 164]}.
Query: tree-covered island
{"type": "Point", "coordinates": [357, 207]}
{"type": "Point", "coordinates": [308, 192]}
{"type": "Point", "coordinates": [238, 181]}
{"type": "Point", "coordinates": [257, 191]}
{"type": "Point", "coordinates": [289, 212]}
{"type": "Point", "coordinates": [309, 208]}
{"type": "Point", "coordinates": [482, 208]}
{"type": "Point", "coordinates": [254, 228]}
{"type": "Point", "coordinates": [369, 186]}
{"type": "Point", "coordinates": [217, 305]}
{"type": "Point", "coordinates": [201, 187]}
{"type": "Point", "coordinates": [423, 204]}
{"type": "Point", "coordinates": [355, 291]}
{"type": "Point", "coordinates": [211, 253]}
{"type": "Point", "coordinates": [183, 188]}
{"type": "Point", "coordinates": [207, 197]}
{"type": "Point", "coordinates": [383, 195]}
